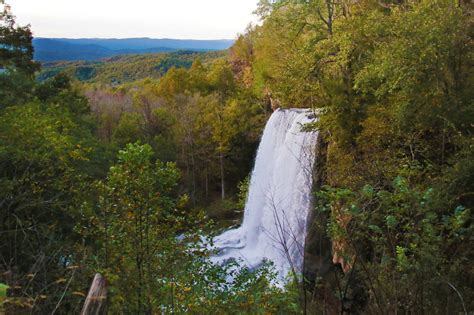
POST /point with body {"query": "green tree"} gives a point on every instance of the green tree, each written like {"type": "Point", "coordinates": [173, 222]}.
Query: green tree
{"type": "Point", "coordinates": [138, 220]}
{"type": "Point", "coordinates": [45, 155]}
{"type": "Point", "coordinates": [17, 67]}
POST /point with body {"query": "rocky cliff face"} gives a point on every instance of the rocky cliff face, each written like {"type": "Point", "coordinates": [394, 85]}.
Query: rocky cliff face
{"type": "Point", "coordinates": [326, 259]}
{"type": "Point", "coordinates": [318, 266]}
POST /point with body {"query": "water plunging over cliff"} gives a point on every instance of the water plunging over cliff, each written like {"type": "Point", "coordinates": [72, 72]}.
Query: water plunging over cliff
{"type": "Point", "coordinates": [279, 199]}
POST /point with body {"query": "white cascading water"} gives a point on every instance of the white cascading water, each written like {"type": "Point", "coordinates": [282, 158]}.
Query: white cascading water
{"type": "Point", "coordinates": [279, 198]}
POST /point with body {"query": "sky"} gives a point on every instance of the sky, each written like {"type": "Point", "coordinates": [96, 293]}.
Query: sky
{"type": "Point", "coordinates": [182, 19]}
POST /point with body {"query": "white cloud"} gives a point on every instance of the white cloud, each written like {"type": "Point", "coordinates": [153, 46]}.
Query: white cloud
{"type": "Point", "coordinates": [188, 19]}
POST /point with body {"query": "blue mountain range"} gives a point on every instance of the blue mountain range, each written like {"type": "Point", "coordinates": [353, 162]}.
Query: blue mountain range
{"type": "Point", "coordinates": [66, 49]}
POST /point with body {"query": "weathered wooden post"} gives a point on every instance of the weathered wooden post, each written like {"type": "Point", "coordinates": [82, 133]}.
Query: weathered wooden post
{"type": "Point", "coordinates": [96, 300]}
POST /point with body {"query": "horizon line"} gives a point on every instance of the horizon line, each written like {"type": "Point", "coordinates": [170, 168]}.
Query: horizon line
{"type": "Point", "coordinates": [152, 38]}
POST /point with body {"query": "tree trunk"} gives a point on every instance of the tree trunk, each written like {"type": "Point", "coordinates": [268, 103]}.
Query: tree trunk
{"type": "Point", "coordinates": [207, 184]}
{"type": "Point", "coordinates": [193, 175]}
{"type": "Point", "coordinates": [222, 175]}
{"type": "Point", "coordinates": [96, 301]}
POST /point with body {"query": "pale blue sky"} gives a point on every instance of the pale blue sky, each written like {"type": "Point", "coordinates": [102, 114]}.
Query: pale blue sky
{"type": "Point", "coordinates": [184, 19]}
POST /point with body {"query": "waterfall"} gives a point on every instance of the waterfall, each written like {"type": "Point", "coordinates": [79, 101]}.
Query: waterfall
{"type": "Point", "coordinates": [279, 198]}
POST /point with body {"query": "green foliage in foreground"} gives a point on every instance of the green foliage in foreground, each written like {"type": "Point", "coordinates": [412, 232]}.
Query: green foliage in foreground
{"type": "Point", "coordinates": [152, 251]}
{"type": "Point", "coordinates": [397, 242]}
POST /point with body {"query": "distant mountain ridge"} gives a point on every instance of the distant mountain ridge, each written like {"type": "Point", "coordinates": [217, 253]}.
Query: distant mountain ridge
{"type": "Point", "coordinates": [66, 49]}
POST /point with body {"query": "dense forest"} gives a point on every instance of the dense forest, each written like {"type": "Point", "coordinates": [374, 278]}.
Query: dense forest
{"type": "Point", "coordinates": [124, 166]}
{"type": "Point", "coordinates": [125, 68]}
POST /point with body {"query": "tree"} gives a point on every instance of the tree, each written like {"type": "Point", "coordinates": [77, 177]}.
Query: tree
{"type": "Point", "coordinates": [136, 219]}
{"type": "Point", "coordinates": [17, 67]}
{"type": "Point", "coordinates": [45, 156]}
